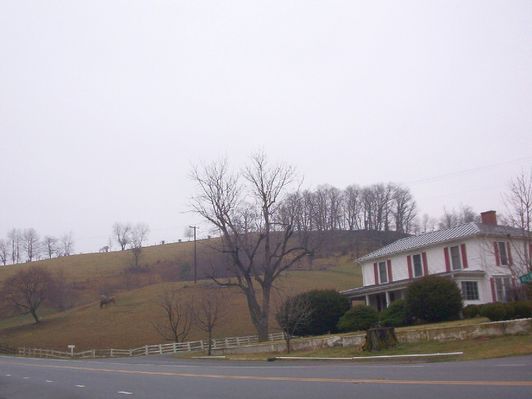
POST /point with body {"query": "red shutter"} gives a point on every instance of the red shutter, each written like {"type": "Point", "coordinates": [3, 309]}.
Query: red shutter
{"type": "Point", "coordinates": [425, 264]}
{"type": "Point", "coordinates": [409, 263]}
{"type": "Point", "coordinates": [390, 278]}
{"type": "Point", "coordinates": [493, 295]}
{"type": "Point", "coordinates": [509, 250]}
{"type": "Point", "coordinates": [376, 272]}
{"type": "Point", "coordinates": [464, 256]}
{"type": "Point", "coordinates": [447, 260]}
{"type": "Point", "coordinates": [497, 257]}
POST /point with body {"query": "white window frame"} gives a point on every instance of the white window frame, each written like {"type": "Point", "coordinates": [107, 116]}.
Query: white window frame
{"type": "Point", "coordinates": [420, 265]}
{"type": "Point", "coordinates": [459, 258]}
{"type": "Point", "coordinates": [465, 291]}
{"type": "Point", "coordinates": [383, 272]}
{"type": "Point", "coordinates": [503, 285]}
{"type": "Point", "coordinates": [502, 247]}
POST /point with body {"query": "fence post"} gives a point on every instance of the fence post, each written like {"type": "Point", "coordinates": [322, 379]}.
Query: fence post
{"type": "Point", "coordinates": [111, 354]}
{"type": "Point", "coordinates": [174, 347]}
{"type": "Point", "coordinates": [160, 349]}
{"type": "Point", "coordinates": [202, 344]}
{"type": "Point", "coordinates": [94, 353]}
{"type": "Point", "coordinates": [188, 346]}
{"type": "Point", "coordinates": [146, 350]}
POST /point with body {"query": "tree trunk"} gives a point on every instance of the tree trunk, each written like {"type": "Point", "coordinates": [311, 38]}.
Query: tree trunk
{"type": "Point", "coordinates": [262, 327]}
{"type": "Point", "coordinates": [209, 347]}
{"type": "Point", "coordinates": [265, 313]}
{"type": "Point", "coordinates": [380, 338]}
{"type": "Point", "coordinates": [34, 314]}
{"type": "Point", "coordinates": [258, 314]}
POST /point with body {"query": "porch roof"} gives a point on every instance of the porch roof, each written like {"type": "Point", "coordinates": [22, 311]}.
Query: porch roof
{"type": "Point", "coordinates": [361, 292]}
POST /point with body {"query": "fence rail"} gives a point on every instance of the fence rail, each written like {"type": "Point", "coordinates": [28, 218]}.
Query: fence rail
{"type": "Point", "coordinates": [158, 349]}
{"type": "Point", "coordinates": [7, 350]}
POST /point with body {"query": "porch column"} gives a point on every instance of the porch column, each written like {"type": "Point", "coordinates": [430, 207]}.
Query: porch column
{"type": "Point", "coordinates": [367, 300]}
{"type": "Point", "coordinates": [387, 298]}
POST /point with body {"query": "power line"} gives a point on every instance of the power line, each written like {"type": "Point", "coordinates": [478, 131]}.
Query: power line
{"type": "Point", "coordinates": [464, 171]}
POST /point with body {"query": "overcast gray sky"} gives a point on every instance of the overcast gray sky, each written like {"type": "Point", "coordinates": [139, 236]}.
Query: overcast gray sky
{"type": "Point", "coordinates": [104, 105]}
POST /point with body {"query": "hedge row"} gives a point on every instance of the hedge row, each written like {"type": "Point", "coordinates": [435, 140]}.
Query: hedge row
{"type": "Point", "coordinates": [500, 311]}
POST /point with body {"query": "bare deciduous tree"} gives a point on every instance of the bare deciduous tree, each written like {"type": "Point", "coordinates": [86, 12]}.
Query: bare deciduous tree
{"type": "Point", "coordinates": [518, 201]}
{"type": "Point", "coordinates": [427, 224]}
{"type": "Point", "coordinates": [4, 251]}
{"type": "Point", "coordinates": [66, 244]}
{"type": "Point", "coordinates": [177, 317]}
{"type": "Point", "coordinates": [453, 218]}
{"type": "Point", "coordinates": [30, 243]}
{"type": "Point", "coordinates": [352, 207]}
{"type": "Point", "coordinates": [376, 201]}
{"type": "Point", "coordinates": [15, 238]}
{"type": "Point", "coordinates": [122, 234]}
{"type": "Point", "coordinates": [245, 208]}
{"type": "Point", "coordinates": [188, 233]}
{"type": "Point", "coordinates": [26, 290]}
{"type": "Point", "coordinates": [209, 311]}
{"type": "Point", "coordinates": [293, 313]}
{"type": "Point", "coordinates": [403, 209]}
{"type": "Point", "coordinates": [138, 235]}
{"type": "Point", "coordinates": [50, 246]}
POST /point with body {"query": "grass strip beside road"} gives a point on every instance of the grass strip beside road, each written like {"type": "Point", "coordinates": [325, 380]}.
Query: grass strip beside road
{"type": "Point", "coordinates": [478, 348]}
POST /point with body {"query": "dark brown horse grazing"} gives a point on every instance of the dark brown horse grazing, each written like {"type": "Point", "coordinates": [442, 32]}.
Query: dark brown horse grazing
{"type": "Point", "coordinates": [106, 300]}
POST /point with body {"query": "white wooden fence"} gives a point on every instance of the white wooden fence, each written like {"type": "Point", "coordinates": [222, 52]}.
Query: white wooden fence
{"type": "Point", "coordinates": [159, 349]}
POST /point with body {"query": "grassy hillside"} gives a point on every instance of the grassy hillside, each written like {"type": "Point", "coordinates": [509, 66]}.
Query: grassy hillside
{"type": "Point", "coordinates": [129, 323]}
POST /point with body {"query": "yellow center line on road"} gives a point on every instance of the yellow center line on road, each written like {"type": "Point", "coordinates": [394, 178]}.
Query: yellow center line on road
{"type": "Point", "coordinates": [282, 379]}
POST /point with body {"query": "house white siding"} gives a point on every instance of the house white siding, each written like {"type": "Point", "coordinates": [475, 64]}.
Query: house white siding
{"type": "Point", "coordinates": [476, 264]}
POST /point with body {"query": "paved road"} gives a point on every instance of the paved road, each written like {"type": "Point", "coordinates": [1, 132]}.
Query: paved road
{"type": "Point", "coordinates": [166, 377]}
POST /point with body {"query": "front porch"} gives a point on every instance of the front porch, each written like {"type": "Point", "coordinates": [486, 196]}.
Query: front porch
{"type": "Point", "coordinates": [378, 296]}
{"type": "Point", "coordinates": [382, 295]}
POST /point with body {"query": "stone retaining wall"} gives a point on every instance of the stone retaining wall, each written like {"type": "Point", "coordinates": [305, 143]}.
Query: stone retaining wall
{"type": "Point", "coordinates": [491, 329]}
{"type": "Point", "coordinates": [453, 333]}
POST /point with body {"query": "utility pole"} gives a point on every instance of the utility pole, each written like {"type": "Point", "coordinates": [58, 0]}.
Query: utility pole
{"type": "Point", "coordinates": [195, 255]}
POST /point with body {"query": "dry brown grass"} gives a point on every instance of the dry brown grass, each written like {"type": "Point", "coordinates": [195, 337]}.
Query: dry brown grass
{"type": "Point", "coordinates": [129, 323]}
{"type": "Point", "coordinates": [478, 348]}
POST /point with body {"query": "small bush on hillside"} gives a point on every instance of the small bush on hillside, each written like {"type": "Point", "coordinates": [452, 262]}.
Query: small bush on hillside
{"type": "Point", "coordinates": [471, 311]}
{"type": "Point", "coordinates": [495, 311]}
{"type": "Point", "coordinates": [433, 299]}
{"type": "Point", "coordinates": [396, 315]}
{"type": "Point", "coordinates": [358, 318]}
{"type": "Point", "coordinates": [326, 308]}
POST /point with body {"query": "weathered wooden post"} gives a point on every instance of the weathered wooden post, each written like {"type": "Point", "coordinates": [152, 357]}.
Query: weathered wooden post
{"type": "Point", "coordinates": [380, 338]}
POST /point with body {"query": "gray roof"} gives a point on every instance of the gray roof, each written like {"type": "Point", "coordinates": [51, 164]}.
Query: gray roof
{"type": "Point", "coordinates": [467, 230]}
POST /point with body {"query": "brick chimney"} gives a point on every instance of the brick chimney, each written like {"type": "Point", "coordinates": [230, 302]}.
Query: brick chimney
{"type": "Point", "coordinates": [489, 217]}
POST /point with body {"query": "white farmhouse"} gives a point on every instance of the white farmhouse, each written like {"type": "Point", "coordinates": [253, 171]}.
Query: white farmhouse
{"type": "Point", "coordinates": [484, 259]}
